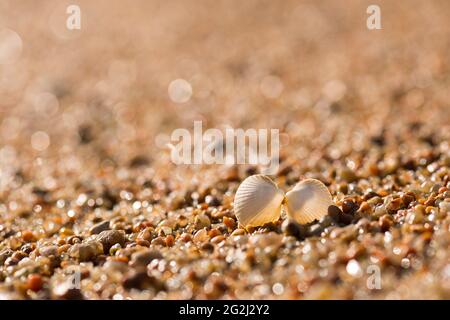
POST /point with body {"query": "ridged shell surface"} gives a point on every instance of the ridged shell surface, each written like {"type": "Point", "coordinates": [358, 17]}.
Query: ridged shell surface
{"type": "Point", "coordinates": [258, 201]}
{"type": "Point", "coordinates": [308, 201]}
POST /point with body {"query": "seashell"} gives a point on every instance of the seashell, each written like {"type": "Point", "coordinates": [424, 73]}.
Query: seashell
{"type": "Point", "coordinates": [258, 201]}
{"type": "Point", "coordinates": [308, 201]}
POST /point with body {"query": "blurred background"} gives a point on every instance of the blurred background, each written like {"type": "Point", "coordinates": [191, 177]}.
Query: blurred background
{"type": "Point", "coordinates": [249, 64]}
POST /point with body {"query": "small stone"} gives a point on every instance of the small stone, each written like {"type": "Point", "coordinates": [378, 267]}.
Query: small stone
{"type": "Point", "coordinates": [158, 241]}
{"type": "Point", "coordinates": [375, 201]}
{"type": "Point", "coordinates": [292, 228]}
{"type": "Point", "coordinates": [86, 251]}
{"type": "Point", "coordinates": [67, 291]}
{"type": "Point", "coordinates": [185, 237]}
{"type": "Point", "coordinates": [238, 232]}
{"type": "Point", "coordinates": [430, 201]}
{"type": "Point", "coordinates": [407, 198]}
{"type": "Point", "coordinates": [170, 240]}
{"type": "Point", "coordinates": [369, 195]}
{"type": "Point", "coordinates": [5, 254]}
{"type": "Point", "coordinates": [385, 222]}
{"type": "Point", "coordinates": [28, 236]}
{"type": "Point", "coordinates": [66, 231]}
{"type": "Point", "coordinates": [217, 239]}
{"type": "Point", "coordinates": [109, 238]}
{"type": "Point", "coordinates": [394, 205]}
{"type": "Point", "coordinates": [346, 219]}
{"type": "Point", "coordinates": [337, 215]}
{"type": "Point", "coordinates": [348, 206]}
{"type": "Point", "coordinates": [139, 279]}
{"type": "Point", "coordinates": [201, 221]}
{"type": "Point", "coordinates": [164, 231]}
{"type": "Point", "coordinates": [35, 282]}
{"type": "Point", "coordinates": [201, 236]}
{"type": "Point", "coordinates": [114, 249]}
{"type": "Point", "coordinates": [48, 251]}
{"type": "Point", "coordinates": [347, 175]}
{"type": "Point", "coordinates": [146, 234]}
{"type": "Point", "coordinates": [334, 212]}
{"type": "Point", "coordinates": [229, 222]}
{"type": "Point", "coordinates": [442, 190]}
{"type": "Point", "coordinates": [143, 258]}
{"type": "Point", "coordinates": [207, 246]}
{"type": "Point", "coordinates": [99, 227]}
{"type": "Point", "coordinates": [379, 211]}
{"type": "Point", "coordinates": [11, 261]}
{"type": "Point", "coordinates": [141, 242]}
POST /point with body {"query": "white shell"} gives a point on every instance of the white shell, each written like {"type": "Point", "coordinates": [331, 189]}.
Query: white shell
{"type": "Point", "coordinates": [308, 201]}
{"type": "Point", "coordinates": [258, 201]}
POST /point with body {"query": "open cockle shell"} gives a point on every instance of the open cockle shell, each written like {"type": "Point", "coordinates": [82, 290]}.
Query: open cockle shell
{"type": "Point", "coordinates": [258, 201]}
{"type": "Point", "coordinates": [308, 201]}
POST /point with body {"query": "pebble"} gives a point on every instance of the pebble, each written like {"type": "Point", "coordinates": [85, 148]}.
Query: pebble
{"type": "Point", "coordinates": [99, 227]}
{"type": "Point", "coordinates": [109, 238]}
{"type": "Point", "coordinates": [229, 222]}
{"type": "Point", "coordinates": [394, 205]}
{"type": "Point", "coordinates": [35, 282]}
{"type": "Point", "coordinates": [146, 234]}
{"type": "Point", "coordinates": [139, 279]}
{"type": "Point", "coordinates": [201, 221]}
{"type": "Point", "coordinates": [292, 228]}
{"type": "Point", "coordinates": [49, 251]}
{"type": "Point", "coordinates": [64, 248]}
{"type": "Point", "coordinates": [407, 198]}
{"type": "Point", "coordinates": [375, 201]}
{"type": "Point", "coordinates": [143, 258]}
{"type": "Point", "coordinates": [158, 241]}
{"type": "Point", "coordinates": [185, 237]}
{"type": "Point", "coordinates": [213, 233]}
{"type": "Point", "coordinates": [217, 239]}
{"type": "Point", "coordinates": [28, 236]}
{"type": "Point", "coordinates": [201, 236]}
{"type": "Point", "coordinates": [67, 291]}
{"type": "Point", "coordinates": [207, 246]}
{"type": "Point", "coordinates": [348, 175]}
{"type": "Point", "coordinates": [141, 242]}
{"type": "Point", "coordinates": [386, 222]}
{"type": "Point", "coordinates": [86, 251]}
{"type": "Point", "coordinates": [348, 206]}
{"type": "Point", "coordinates": [5, 254]}
{"type": "Point", "coordinates": [170, 240]}
{"type": "Point", "coordinates": [334, 212]}
{"type": "Point", "coordinates": [238, 232]}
